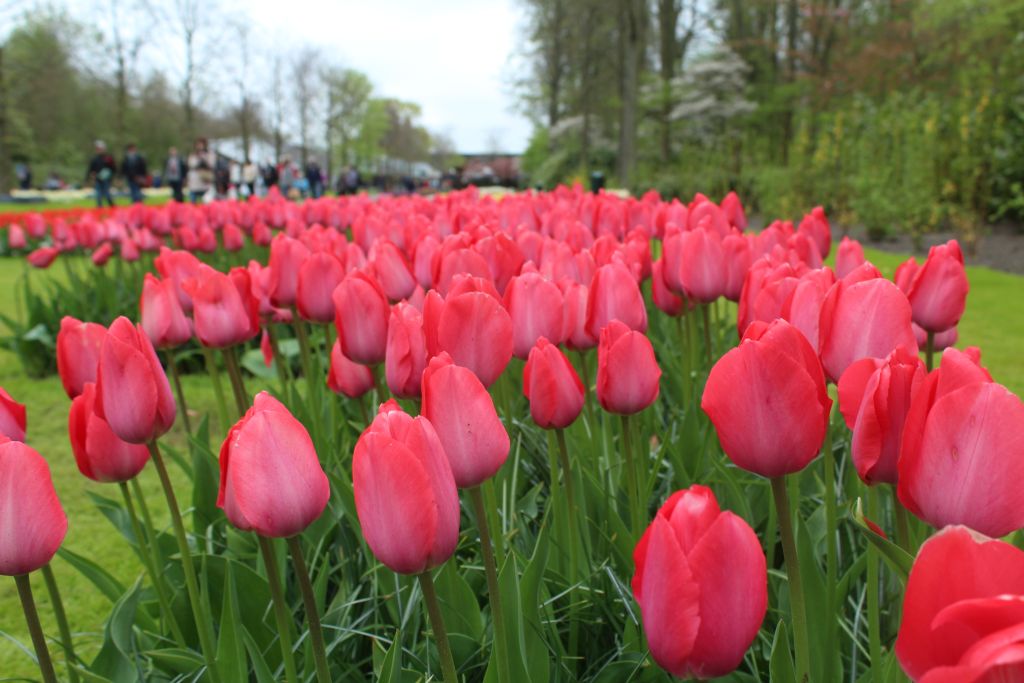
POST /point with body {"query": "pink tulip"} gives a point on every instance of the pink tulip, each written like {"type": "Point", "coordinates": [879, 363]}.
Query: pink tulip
{"type": "Point", "coordinates": [361, 313]}
{"type": "Point", "coordinates": [31, 516]}
{"type": "Point", "coordinates": [406, 355]}
{"type": "Point", "coordinates": [12, 417]}
{"type": "Point", "coordinates": [552, 386]}
{"type": "Point", "coordinates": [99, 453]}
{"type": "Point", "coordinates": [614, 295]}
{"type": "Point", "coordinates": [536, 308]}
{"type": "Point", "coordinates": [627, 372]}
{"type": "Point", "coordinates": [162, 317]}
{"type": "Point", "coordinates": [319, 275]}
{"type": "Point", "coordinates": [938, 291]}
{"type": "Point", "coordinates": [475, 329]}
{"type": "Point", "coordinates": [346, 376]}
{"type": "Point", "coordinates": [78, 353]}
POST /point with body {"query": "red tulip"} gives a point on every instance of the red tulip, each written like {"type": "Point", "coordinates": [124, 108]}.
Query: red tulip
{"type": "Point", "coordinates": [768, 402]}
{"type": "Point", "coordinates": [392, 270]}
{"type": "Point", "coordinates": [405, 493]}
{"type": "Point", "coordinates": [702, 585]}
{"type": "Point", "coordinates": [346, 376]}
{"type": "Point", "coordinates": [102, 254]}
{"type": "Point", "coordinates": [575, 332]}
{"type": "Point", "coordinates": [962, 456]}
{"type": "Point", "coordinates": [271, 481]}
{"type": "Point", "coordinates": [738, 255]}
{"type": "Point", "coordinates": [627, 372]}
{"type": "Point", "coordinates": [733, 210]}
{"type": "Point", "coordinates": [874, 396]}
{"type": "Point", "coordinates": [963, 611]}
{"type": "Point", "coordinates": [42, 257]}
{"type": "Point", "coordinates": [802, 307]}
{"type": "Point", "coordinates": [460, 409]}
{"type": "Point", "coordinates": [665, 299]}
{"type": "Point", "coordinates": [31, 516]}
{"type": "Point", "coordinates": [12, 417]}
{"type": "Point", "coordinates": [905, 273]}
{"type": "Point", "coordinates": [864, 320]}
{"type": "Point", "coordinates": [614, 295]}
{"type": "Point", "coordinates": [704, 272]}
{"type": "Point", "coordinates": [78, 353]}
{"type": "Point", "coordinates": [286, 257]}
{"type": "Point", "coordinates": [129, 250]}
{"type": "Point", "coordinates": [361, 313]}
{"type": "Point", "coordinates": [938, 291]}
{"type": "Point", "coordinates": [849, 255]}
{"type": "Point", "coordinates": [224, 310]}
{"type": "Point", "coordinates": [133, 394]}
{"type": "Point", "coordinates": [552, 386]}
{"type": "Point", "coordinates": [815, 225]}
{"type": "Point", "coordinates": [319, 276]}
{"type": "Point", "coordinates": [99, 453]}
{"type": "Point", "coordinates": [162, 318]}
{"type": "Point", "coordinates": [406, 355]}
{"type": "Point", "coordinates": [178, 266]}
{"type": "Point", "coordinates": [476, 331]}
{"type": "Point", "coordinates": [234, 238]}
{"type": "Point", "coordinates": [536, 308]}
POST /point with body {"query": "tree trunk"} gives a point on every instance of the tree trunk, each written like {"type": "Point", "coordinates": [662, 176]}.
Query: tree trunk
{"type": "Point", "coordinates": [5, 157]}
{"type": "Point", "coordinates": [631, 33]}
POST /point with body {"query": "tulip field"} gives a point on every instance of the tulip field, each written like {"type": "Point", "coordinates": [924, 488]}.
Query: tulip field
{"type": "Point", "coordinates": [545, 437]}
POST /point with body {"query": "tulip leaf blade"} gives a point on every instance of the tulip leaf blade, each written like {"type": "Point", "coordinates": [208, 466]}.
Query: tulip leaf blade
{"type": "Point", "coordinates": [231, 656]}
{"type": "Point", "coordinates": [898, 559]}
{"type": "Point", "coordinates": [391, 664]}
{"type": "Point", "coordinates": [780, 665]}
{"type": "Point", "coordinates": [461, 611]}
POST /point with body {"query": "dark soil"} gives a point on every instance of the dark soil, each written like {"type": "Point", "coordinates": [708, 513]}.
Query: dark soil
{"type": "Point", "coordinates": [1000, 247]}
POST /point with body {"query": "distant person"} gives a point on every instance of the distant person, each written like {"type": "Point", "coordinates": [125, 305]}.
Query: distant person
{"type": "Point", "coordinates": [221, 176]}
{"type": "Point", "coordinates": [315, 178]}
{"type": "Point", "coordinates": [101, 173]}
{"type": "Point", "coordinates": [285, 175]}
{"type": "Point", "coordinates": [133, 168]}
{"type": "Point", "coordinates": [249, 174]}
{"type": "Point", "coordinates": [23, 171]}
{"type": "Point", "coordinates": [201, 163]}
{"type": "Point", "coordinates": [174, 174]}
{"type": "Point", "coordinates": [53, 182]}
{"type": "Point", "coordinates": [270, 176]}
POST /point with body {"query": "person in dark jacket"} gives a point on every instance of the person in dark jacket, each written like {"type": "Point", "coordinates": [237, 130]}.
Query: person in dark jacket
{"type": "Point", "coordinates": [133, 168]}
{"type": "Point", "coordinates": [101, 173]}
{"type": "Point", "coordinates": [174, 173]}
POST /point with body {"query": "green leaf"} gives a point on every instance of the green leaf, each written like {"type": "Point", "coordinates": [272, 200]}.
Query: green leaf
{"type": "Point", "coordinates": [231, 657]}
{"type": "Point", "coordinates": [180, 661]}
{"type": "Point", "coordinates": [205, 480]}
{"type": "Point", "coordinates": [252, 360]}
{"type": "Point", "coordinates": [107, 584]}
{"type": "Point", "coordinates": [781, 665]}
{"type": "Point", "coordinates": [391, 666]}
{"type": "Point", "coordinates": [259, 664]}
{"type": "Point", "coordinates": [117, 657]}
{"type": "Point", "coordinates": [461, 612]}
{"type": "Point", "coordinates": [896, 557]}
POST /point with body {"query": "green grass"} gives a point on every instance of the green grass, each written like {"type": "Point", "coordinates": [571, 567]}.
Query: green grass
{"type": "Point", "coordinates": [153, 197]}
{"type": "Point", "coordinates": [994, 321]}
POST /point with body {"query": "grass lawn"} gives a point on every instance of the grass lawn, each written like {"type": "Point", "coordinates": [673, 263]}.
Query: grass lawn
{"type": "Point", "coordinates": [994, 321]}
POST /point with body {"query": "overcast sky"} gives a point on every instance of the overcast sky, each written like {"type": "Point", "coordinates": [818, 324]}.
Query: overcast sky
{"type": "Point", "coordinates": [450, 56]}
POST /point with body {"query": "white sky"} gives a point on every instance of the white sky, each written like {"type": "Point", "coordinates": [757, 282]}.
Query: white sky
{"type": "Point", "coordinates": [450, 56]}
{"type": "Point", "coordinates": [453, 57]}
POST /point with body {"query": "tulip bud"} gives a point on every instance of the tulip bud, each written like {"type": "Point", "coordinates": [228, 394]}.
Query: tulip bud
{"type": "Point", "coordinates": [702, 585]}
{"type": "Point", "coordinates": [361, 315]}
{"type": "Point", "coordinates": [31, 516]}
{"type": "Point", "coordinates": [99, 453]}
{"type": "Point", "coordinates": [962, 610]}
{"type": "Point", "coordinates": [178, 266]}
{"type": "Point", "coordinates": [552, 386]}
{"type": "Point", "coordinates": [162, 317]}
{"type": "Point", "coordinates": [405, 493]}
{"type": "Point", "coordinates": [346, 376]}
{"type": "Point", "coordinates": [476, 331]}
{"type": "Point", "coordinates": [319, 275]}
{"type": "Point", "coordinates": [460, 409]}
{"type": "Point", "coordinates": [627, 372]}
{"type": "Point", "coordinates": [224, 309]}
{"type": "Point", "coordinates": [392, 270]}
{"type": "Point", "coordinates": [575, 318]}
{"type": "Point", "coordinates": [874, 396]}
{"type": "Point", "coordinates": [704, 271]}
{"type": "Point", "coordinates": [406, 351]}
{"type": "Point", "coordinates": [867, 319]}
{"type": "Point", "coordinates": [12, 417]}
{"type": "Point", "coordinates": [286, 257]}
{"type": "Point", "coordinates": [271, 481]}
{"type": "Point", "coordinates": [535, 306]}
{"type": "Point", "coordinates": [78, 353]}
{"type": "Point", "coordinates": [849, 255]}
{"type": "Point", "coordinates": [962, 458]}
{"type": "Point", "coordinates": [614, 295]}
{"type": "Point", "coordinates": [768, 402]}
{"type": "Point", "coordinates": [133, 394]}
{"type": "Point", "coordinates": [42, 257]}
{"type": "Point", "coordinates": [938, 291]}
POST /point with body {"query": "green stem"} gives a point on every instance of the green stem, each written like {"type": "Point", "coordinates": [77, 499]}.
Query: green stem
{"type": "Point", "coordinates": [574, 532]}
{"type": "Point", "coordinates": [874, 625]}
{"type": "Point", "coordinates": [831, 548]}
{"type": "Point", "coordinates": [218, 388]}
{"type": "Point", "coordinates": [494, 524]}
{"type": "Point", "coordinates": [444, 650]}
{"type": "Point", "coordinates": [635, 517]}
{"type": "Point", "coordinates": [279, 362]}
{"type": "Point", "coordinates": [796, 592]}
{"type": "Point", "coordinates": [176, 377]}
{"type": "Point", "coordinates": [493, 591]}
{"type": "Point", "coordinates": [281, 614]}
{"type": "Point", "coordinates": [62, 622]}
{"type": "Point", "coordinates": [145, 554]}
{"type": "Point", "coordinates": [203, 626]}
{"type": "Point", "coordinates": [563, 462]}
{"type": "Point", "coordinates": [588, 398]}
{"type": "Point", "coordinates": [28, 604]}
{"type": "Point", "coordinates": [903, 537]}
{"type": "Point", "coordinates": [929, 352]}
{"type": "Point", "coordinates": [237, 384]}
{"type": "Point", "coordinates": [316, 632]}
{"type": "Point", "coordinates": [704, 312]}
{"type": "Point", "coordinates": [307, 361]}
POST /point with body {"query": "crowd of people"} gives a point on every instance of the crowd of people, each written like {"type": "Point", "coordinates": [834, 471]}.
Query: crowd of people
{"type": "Point", "coordinates": [204, 175]}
